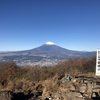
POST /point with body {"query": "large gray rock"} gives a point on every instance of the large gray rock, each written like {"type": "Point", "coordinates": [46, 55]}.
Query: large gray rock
{"type": "Point", "coordinates": [82, 88]}
{"type": "Point", "coordinates": [67, 85]}
{"type": "Point", "coordinates": [88, 91]}
{"type": "Point", "coordinates": [68, 95]}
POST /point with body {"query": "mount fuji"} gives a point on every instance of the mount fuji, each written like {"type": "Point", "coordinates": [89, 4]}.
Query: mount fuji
{"type": "Point", "coordinates": [46, 54]}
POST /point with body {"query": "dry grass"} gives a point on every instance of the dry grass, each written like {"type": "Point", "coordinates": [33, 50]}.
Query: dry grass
{"type": "Point", "coordinates": [31, 76]}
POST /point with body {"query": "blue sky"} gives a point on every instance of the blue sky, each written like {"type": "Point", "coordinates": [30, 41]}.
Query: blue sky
{"type": "Point", "coordinates": [72, 24]}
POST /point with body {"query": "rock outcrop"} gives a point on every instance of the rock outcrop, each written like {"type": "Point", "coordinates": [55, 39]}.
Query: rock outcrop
{"type": "Point", "coordinates": [53, 89]}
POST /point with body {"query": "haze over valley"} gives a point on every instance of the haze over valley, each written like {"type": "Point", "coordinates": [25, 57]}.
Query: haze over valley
{"type": "Point", "coordinates": [44, 55]}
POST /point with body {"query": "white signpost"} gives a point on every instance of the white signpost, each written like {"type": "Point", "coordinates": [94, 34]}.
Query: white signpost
{"type": "Point", "coordinates": [98, 63]}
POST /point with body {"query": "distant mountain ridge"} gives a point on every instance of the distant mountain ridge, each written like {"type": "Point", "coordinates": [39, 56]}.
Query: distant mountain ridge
{"type": "Point", "coordinates": [48, 52]}
{"type": "Point", "coordinates": [57, 50]}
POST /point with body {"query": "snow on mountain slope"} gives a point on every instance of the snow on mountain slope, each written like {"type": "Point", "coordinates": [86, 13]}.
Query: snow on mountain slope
{"type": "Point", "coordinates": [50, 43]}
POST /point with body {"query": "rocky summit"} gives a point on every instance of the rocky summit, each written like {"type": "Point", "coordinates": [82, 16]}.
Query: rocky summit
{"type": "Point", "coordinates": [56, 88]}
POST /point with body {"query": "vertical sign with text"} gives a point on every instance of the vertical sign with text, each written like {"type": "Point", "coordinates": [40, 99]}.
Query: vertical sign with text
{"type": "Point", "coordinates": [98, 63]}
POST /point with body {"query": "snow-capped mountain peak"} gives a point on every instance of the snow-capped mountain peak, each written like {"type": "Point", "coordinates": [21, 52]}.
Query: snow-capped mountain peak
{"type": "Point", "coordinates": [50, 43]}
